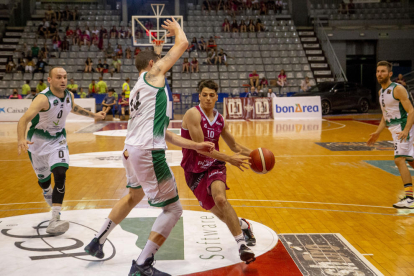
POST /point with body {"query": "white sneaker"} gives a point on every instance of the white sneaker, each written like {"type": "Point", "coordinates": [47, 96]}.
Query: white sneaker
{"type": "Point", "coordinates": [48, 197]}
{"type": "Point", "coordinates": [57, 226]}
{"type": "Point", "coordinates": [405, 202]}
{"type": "Point", "coordinates": [117, 119]}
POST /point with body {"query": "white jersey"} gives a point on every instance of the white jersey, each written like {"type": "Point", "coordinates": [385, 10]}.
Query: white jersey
{"type": "Point", "coordinates": [48, 127]}
{"type": "Point", "coordinates": [148, 115]}
{"type": "Point", "coordinates": [392, 109]}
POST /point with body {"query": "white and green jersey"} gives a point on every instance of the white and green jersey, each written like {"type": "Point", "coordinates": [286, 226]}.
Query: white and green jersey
{"type": "Point", "coordinates": [48, 126]}
{"type": "Point", "coordinates": [148, 115]}
{"type": "Point", "coordinates": [392, 109]}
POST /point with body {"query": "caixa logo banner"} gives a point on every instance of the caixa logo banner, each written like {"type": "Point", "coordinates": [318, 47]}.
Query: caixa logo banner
{"type": "Point", "coordinates": [297, 108]}
{"type": "Point", "coordinates": [248, 108]}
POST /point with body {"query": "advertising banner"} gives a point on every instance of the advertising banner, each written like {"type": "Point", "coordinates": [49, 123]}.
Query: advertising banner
{"type": "Point", "coordinates": [297, 108]}
{"type": "Point", "coordinates": [248, 108]}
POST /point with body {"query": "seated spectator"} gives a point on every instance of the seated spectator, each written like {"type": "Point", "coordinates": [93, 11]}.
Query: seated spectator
{"type": "Point", "coordinates": [305, 85]}
{"type": "Point", "coordinates": [109, 52]}
{"type": "Point", "coordinates": [40, 86]}
{"type": "Point", "coordinates": [148, 25]}
{"type": "Point", "coordinates": [186, 66]}
{"type": "Point", "coordinates": [95, 40]}
{"type": "Point", "coordinates": [113, 33]}
{"type": "Point", "coordinates": [122, 33]}
{"type": "Point", "coordinates": [75, 14]}
{"type": "Point", "coordinates": [42, 32]}
{"type": "Point", "coordinates": [64, 46]}
{"type": "Point", "coordinates": [194, 44]}
{"type": "Point", "coordinates": [137, 50]}
{"type": "Point", "coordinates": [72, 86]}
{"type": "Point", "coordinates": [235, 27]}
{"type": "Point", "coordinates": [243, 27]}
{"type": "Point", "coordinates": [10, 65]}
{"type": "Point", "coordinates": [93, 89]}
{"type": "Point", "coordinates": [118, 51]}
{"type": "Point", "coordinates": [103, 33]}
{"type": "Point", "coordinates": [206, 6]}
{"type": "Point", "coordinates": [128, 32]}
{"type": "Point", "coordinates": [99, 67]}
{"type": "Point", "coordinates": [254, 79]}
{"type": "Point", "coordinates": [279, 6]}
{"type": "Point", "coordinates": [128, 54]}
{"type": "Point", "coordinates": [15, 95]}
{"type": "Point", "coordinates": [270, 93]}
{"type": "Point", "coordinates": [251, 28]}
{"type": "Point", "coordinates": [401, 80]}
{"type": "Point", "coordinates": [211, 56]}
{"type": "Point", "coordinates": [252, 92]}
{"type": "Point", "coordinates": [351, 7]}
{"type": "Point", "coordinates": [105, 67]}
{"type": "Point", "coordinates": [82, 93]}
{"type": "Point", "coordinates": [87, 31]}
{"type": "Point", "coordinates": [259, 25]}
{"type": "Point", "coordinates": [44, 52]}
{"type": "Point", "coordinates": [56, 43]}
{"type": "Point", "coordinates": [263, 83]}
{"type": "Point", "coordinates": [85, 39]}
{"type": "Point", "coordinates": [52, 31]}
{"type": "Point", "coordinates": [88, 65]}
{"type": "Point", "coordinates": [247, 5]}
{"type": "Point", "coordinates": [95, 31]}
{"type": "Point", "coordinates": [102, 87]}
{"type": "Point", "coordinates": [226, 26]}
{"type": "Point", "coordinates": [26, 51]}
{"type": "Point", "coordinates": [212, 43]}
{"type": "Point", "coordinates": [26, 88]}
{"type": "Point", "coordinates": [108, 102]}
{"type": "Point", "coordinates": [22, 66]}
{"type": "Point", "coordinates": [343, 8]}
{"type": "Point", "coordinates": [138, 33]}
{"type": "Point", "coordinates": [58, 14]}
{"type": "Point", "coordinates": [123, 103]}
{"type": "Point", "coordinates": [35, 50]}
{"type": "Point", "coordinates": [66, 14]}
{"type": "Point", "coordinates": [221, 57]}
{"type": "Point", "coordinates": [49, 14]}
{"type": "Point", "coordinates": [69, 32]}
{"type": "Point", "coordinates": [45, 23]}
{"type": "Point", "coordinates": [116, 64]}
{"type": "Point", "coordinates": [29, 66]}
{"type": "Point", "coordinates": [31, 95]}
{"type": "Point", "coordinates": [282, 79]}
{"type": "Point", "coordinates": [263, 9]}
{"type": "Point", "coordinates": [40, 66]}
{"type": "Point", "coordinates": [202, 44]}
{"type": "Point", "coordinates": [194, 65]}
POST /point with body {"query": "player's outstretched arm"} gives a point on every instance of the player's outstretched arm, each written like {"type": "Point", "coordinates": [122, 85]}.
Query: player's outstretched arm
{"type": "Point", "coordinates": [401, 94]}
{"type": "Point", "coordinates": [156, 75]}
{"type": "Point", "coordinates": [39, 103]}
{"type": "Point", "coordinates": [82, 111]}
{"type": "Point", "coordinates": [188, 144]}
{"type": "Point", "coordinates": [231, 142]}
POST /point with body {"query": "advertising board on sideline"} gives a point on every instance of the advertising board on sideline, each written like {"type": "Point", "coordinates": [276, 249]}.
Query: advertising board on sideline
{"type": "Point", "coordinates": [297, 108]}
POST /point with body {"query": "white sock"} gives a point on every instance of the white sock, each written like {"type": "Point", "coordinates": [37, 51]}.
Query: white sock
{"type": "Point", "coordinates": [240, 240]}
{"type": "Point", "coordinates": [56, 212]}
{"type": "Point", "coordinates": [243, 224]}
{"type": "Point", "coordinates": [149, 250]}
{"type": "Point", "coordinates": [107, 227]}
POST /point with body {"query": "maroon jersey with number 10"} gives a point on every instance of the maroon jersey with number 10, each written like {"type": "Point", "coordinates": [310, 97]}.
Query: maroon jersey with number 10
{"type": "Point", "coordinates": [194, 162]}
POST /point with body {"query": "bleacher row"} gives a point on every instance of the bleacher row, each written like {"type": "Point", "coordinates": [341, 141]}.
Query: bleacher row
{"type": "Point", "coordinates": [196, 10]}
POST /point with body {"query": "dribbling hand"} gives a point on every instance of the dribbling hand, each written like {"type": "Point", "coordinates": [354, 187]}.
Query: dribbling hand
{"type": "Point", "coordinates": [23, 145]}
{"type": "Point", "coordinates": [240, 161]}
{"type": "Point", "coordinates": [373, 138]}
{"type": "Point", "coordinates": [100, 115]}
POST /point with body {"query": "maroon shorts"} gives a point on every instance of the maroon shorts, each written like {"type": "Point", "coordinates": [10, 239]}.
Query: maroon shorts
{"type": "Point", "coordinates": [200, 183]}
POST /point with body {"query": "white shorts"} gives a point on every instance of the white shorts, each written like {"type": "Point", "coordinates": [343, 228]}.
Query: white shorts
{"type": "Point", "coordinates": [405, 148]}
{"type": "Point", "coordinates": [148, 169]}
{"type": "Point", "coordinates": [43, 164]}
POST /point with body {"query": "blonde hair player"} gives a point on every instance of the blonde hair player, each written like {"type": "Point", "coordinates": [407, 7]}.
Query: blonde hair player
{"type": "Point", "coordinates": [46, 141]}
{"type": "Point", "coordinates": [398, 117]}
{"type": "Point", "coordinates": [144, 154]}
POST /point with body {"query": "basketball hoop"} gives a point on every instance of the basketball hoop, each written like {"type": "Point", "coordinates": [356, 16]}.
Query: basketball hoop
{"type": "Point", "coordinates": [157, 44]}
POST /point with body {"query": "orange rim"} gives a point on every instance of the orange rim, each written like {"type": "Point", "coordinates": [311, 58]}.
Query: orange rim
{"type": "Point", "coordinates": [157, 42]}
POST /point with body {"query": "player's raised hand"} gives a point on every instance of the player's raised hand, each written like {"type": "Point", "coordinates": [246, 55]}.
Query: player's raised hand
{"type": "Point", "coordinates": [23, 145]}
{"type": "Point", "coordinates": [100, 115]}
{"type": "Point", "coordinates": [171, 26]}
{"type": "Point", "coordinates": [205, 146]}
{"type": "Point", "coordinates": [240, 161]}
{"type": "Point", "coordinates": [373, 138]}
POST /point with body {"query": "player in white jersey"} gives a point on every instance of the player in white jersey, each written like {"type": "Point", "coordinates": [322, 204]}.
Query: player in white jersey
{"type": "Point", "coordinates": [46, 141]}
{"type": "Point", "coordinates": [398, 117]}
{"type": "Point", "coordinates": [144, 154]}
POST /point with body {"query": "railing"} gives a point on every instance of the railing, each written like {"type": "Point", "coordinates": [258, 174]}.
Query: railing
{"type": "Point", "coordinates": [333, 61]}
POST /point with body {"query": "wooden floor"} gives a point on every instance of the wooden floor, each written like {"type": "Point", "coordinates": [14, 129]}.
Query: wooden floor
{"type": "Point", "coordinates": [310, 190]}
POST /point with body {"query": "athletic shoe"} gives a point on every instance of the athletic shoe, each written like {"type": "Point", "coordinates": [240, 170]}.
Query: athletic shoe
{"type": "Point", "coordinates": [48, 197]}
{"type": "Point", "coordinates": [248, 234]}
{"type": "Point", "coordinates": [94, 248]}
{"type": "Point", "coordinates": [246, 254]}
{"type": "Point", "coordinates": [146, 269]}
{"type": "Point", "coordinates": [57, 226]}
{"type": "Point", "coordinates": [404, 203]}
{"type": "Point", "coordinates": [117, 119]}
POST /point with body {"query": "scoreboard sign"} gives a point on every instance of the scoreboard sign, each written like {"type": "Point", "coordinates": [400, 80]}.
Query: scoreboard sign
{"type": "Point", "coordinates": [248, 108]}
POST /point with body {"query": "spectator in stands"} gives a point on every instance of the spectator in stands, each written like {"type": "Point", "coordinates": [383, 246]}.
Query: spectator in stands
{"type": "Point", "coordinates": [103, 33]}
{"type": "Point", "coordinates": [116, 64]}
{"type": "Point", "coordinates": [29, 66]}
{"type": "Point", "coordinates": [109, 52]}
{"type": "Point", "coordinates": [148, 25]}
{"type": "Point", "coordinates": [194, 44]}
{"type": "Point", "coordinates": [10, 65]}
{"type": "Point", "coordinates": [251, 27]}
{"type": "Point", "coordinates": [254, 79]}
{"type": "Point", "coordinates": [69, 33]}
{"type": "Point", "coordinates": [128, 53]}
{"type": "Point", "coordinates": [15, 95]}
{"type": "Point", "coordinates": [221, 57]}
{"type": "Point", "coordinates": [205, 6]}
{"type": "Point", "coordinates": [26, 88]}
{"type": "Point", "coordinates": [75, 14]}
{"type": "Point", "coordinates": [202, 44]}
{"type": "Point", "coordinates": [82, 93]}
{"type": "Point", "coordinates": [123, 103]}
{"type": "Point", "coordinates": [279, 6]}
{"type": "Point", "coordinates": [26, 51]}
{"type": "Point", "coordinates": [21, 67]}
{"type": "Point", "coordinates": [235, 27]}
{"type": "Point", "coordinates": [128, 32]}
{"type": "Point", "coordinates": [40, 86]}
{"type": "Point", "coordinates": [105, 67]}
{"type": "Point", "coordinates": [66, 14]}
{"type": "Point", "coordinates": [99, 67]}
{"type": "Point", "coordinates": [118, 51]}
{"type": "Point", "coordinates": [121, 33]}
{"type": "Point", "coordinates": [109, 101]}
{"type": "Point", "coordinates": [212, 43]}
{"type": "Point", "coordinates": [102, 87]}
{"type": "Point", "coordinates": [87, 31]}
{"type": "Point", "coordinates": [45, 23]}
{"type": "Point", "coordinates": [259, 25]}
{"type": "Point", "coordinates": [252, 92]}
{"type": "Point", "coordinates": [35, 50]}
{"type": "Point", "coordinates": [138, 33]}
{"type": "Point", "coordinates": [305, 85]}
{"type": "Point", "coordinates": [351, 7]}
{"type": "Point", "coordinates": [263, 83]}
{"type": "Point", "coordinates": [401, 80]}
{"type": "Point", "coordinates": [125, 88]}
{"type": "Point", "coordinates": [186, 66]}
{"type": "Point", "coordinates": [93, 89]}
{"type": "Point", "coordinates": [270, 93]}
{"type": "Point", "coordinates": [263, 9]}
{"type": "Point", "coordinates": [56, 43]}
{"type": "Point", "coordinates": [42, 32]}
{"type": "Point", "coordinates": [88, 65]}
{"type": "Point", "coordinates": [31, 95]}
{"type": "Point", "coordinates": [255, 4]}
{"type": "Point", "coordinates": [136, 51]}
{"type": "Point", "coordinates": [194, 65]}
{"type": "Point", "coordinates": [40, 66]}
{"type": "Point", "coordinates": [113, 33]}
{"type": "Point", "coordinates": [49, 14]}
{"type": "Point", "coordinates": [58, 14]}
{"type": "Point", "coordinates": [72, 86]}
{"type": "Point", "coordinates": [343, 8]}
{"type": "Point", "coordinates": [95, 40]}
{"type": "Point", "coordinates": [95, 31]}
{"type": "Point", "coordinates": [226, 25]}
{"type": "Point", "coordinates": [243, 27]}
{"type": "Point", "coordinates": [85, 39]}
{"type": "Point", "coordinates": [52, 31]}
{"type": "Point", "coordinates": [64, 46]}
{"type": "Point", "coordinates": [211, 56]}
{"type": "Point", "coordinates": [44, 52]}
{"type": "Point", "coordinates": [282, 79]}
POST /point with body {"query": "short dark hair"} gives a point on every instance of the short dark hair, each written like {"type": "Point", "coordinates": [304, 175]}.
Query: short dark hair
{"type": "Point", "coordinates": [207, 83]}
{"type": "Point", "coordinates": [386, 64]}
{"type": "Point", "coordinates": [144, 57]}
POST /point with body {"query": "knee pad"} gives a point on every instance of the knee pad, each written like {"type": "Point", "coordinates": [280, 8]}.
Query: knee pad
{"type": "Point", "coordinates": [59, 174]}
{"type": "Point", "coordinates": [168, 218]}
{"type": "Point", "coordinates": [46, 184]}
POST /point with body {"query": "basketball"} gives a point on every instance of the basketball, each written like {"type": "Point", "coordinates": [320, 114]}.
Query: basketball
{"type": "Point", "coordinates": [262, 160]}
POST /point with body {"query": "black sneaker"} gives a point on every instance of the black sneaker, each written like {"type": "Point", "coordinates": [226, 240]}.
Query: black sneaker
{"type": "Point", "coordinates": [248, 234]}
{"type": "Point", "coordinates": [146, 269]}
{"type": "Point", "coordinates": [246, 254]}
{"type": "Point", "coordinates": [94, 248]}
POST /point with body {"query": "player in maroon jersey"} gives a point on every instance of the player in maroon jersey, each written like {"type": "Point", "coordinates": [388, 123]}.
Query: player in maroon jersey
{"type": "Point", "coordinates": [205, 173]}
